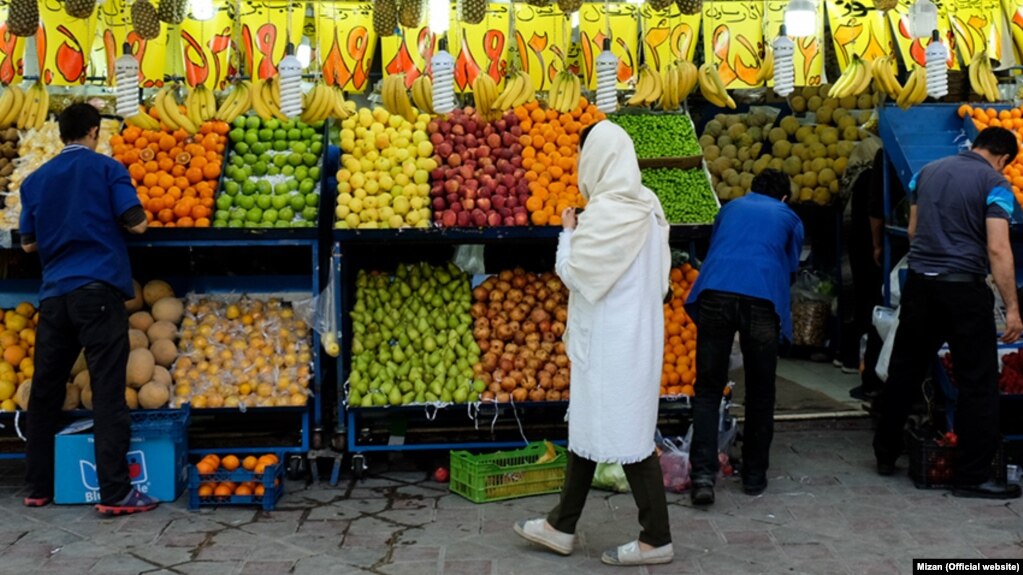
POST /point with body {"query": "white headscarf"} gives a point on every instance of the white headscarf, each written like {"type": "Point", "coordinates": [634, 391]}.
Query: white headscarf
{"type": "Point", "coordinates": [614, 227]}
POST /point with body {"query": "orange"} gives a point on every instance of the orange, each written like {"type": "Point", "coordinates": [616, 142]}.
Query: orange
{"type": "Point", "coordinates": [243, 490]}
{"type": "Point", "coordinates": [206, 490]}
{"type": "Point", "coordinates": [249, 463]}
{"type": "Point", "coordinates": [230, 462]}
{"type": "Point", "coordinates": [213, 458]}
{"type": "Point", "coordinates": [259, 491]}
{"type": "Point", "coordinates": [223, 490]}
{"type": "Point", "coordinates": [204, 467]}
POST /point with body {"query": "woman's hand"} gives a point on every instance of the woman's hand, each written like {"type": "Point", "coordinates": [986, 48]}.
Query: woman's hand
{"type": "Point", "coordinates": [568, 219]}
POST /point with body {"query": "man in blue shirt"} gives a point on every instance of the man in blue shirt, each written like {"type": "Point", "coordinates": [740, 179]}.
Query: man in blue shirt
{"type": "Point", "coordinates": [958, 228]}
{"type": "Point", "coordinates": [74, 212]}
{"type": "Point", "coordinates": [743, 287]}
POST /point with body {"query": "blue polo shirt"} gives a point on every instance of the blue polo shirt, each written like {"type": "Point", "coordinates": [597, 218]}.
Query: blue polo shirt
{"type": "Point", "coordinates": [72, 205]}
{"type": "Point", "coordinates": [954, 197]}
{"type": "Point", "coordinates": [754, 250]}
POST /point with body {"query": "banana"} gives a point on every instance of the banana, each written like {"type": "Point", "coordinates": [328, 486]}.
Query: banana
{"type": "Point", "coordinates": [657, 90]}
{"type": "Point", "coordinates": [237, 103]}
{"type": "Point", "coordinates": [143, 120]}
{"type": "Point", "coordinates": [169, 111]}
{"type": "Point", "coordinates": [766, 66]}
{"type": "Point", "coordinates": [988, 80]}
{"type": "Point", "coordinates": [863, 77]}
{"type": "Point", "coordinates": [258, 103]}
{"type": "Point", "coordinates": [689, 74]}
{"type": "Point", "coordinates": [395, 97]}
{"type": "Point", "coordinates": [644, 85]}
{"type": "Point", "coordinates": [915, 90]}
{"type": "Point", "coordinates": [11, 105]}
{"type": "Point", "coordinates": [28, 110]}
{"type": "Point", "coordinates": [528, 93]}
{"type": "Point", "coordinates": [484, 90]}
{"type": "Point", "coordinates": [422, 93]}
{"type": "Point", "coordinates": [713, 88]}
{"type": "Point", "coordinates": [884, 77]}
{"type": "Point", "coordinates": [853, 81]}
{"type": "Point", "coordinates": [192, 106]}
{"type": "Point", "coordinates": [670, 83]}
{"type": "Point", "coordinates": [340, 109]}
{"type": "Point", "coordinates": [36, 108]}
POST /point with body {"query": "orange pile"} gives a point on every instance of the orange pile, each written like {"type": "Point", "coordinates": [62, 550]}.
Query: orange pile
{"type": "Point", "coordinates": [550, 150]}
{"type": "Point", "coordinates": [679, 369]}
{"type": "Point", "coordinates": [174, 173]}
{"type": "Point", "coordinates": [211, 464]}
{"type": "Point", "coordinates": [1010, 120]}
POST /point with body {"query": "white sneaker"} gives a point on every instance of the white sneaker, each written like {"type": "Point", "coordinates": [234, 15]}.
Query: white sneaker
{"type": "Point", "coordinates": [631, 554]}
{"type": "Point", "coordinates": [538, 531]}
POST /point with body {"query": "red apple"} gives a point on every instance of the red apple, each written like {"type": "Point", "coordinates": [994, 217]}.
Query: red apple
{"type": "Point", "coordinates": [521, 219]}
{"type": "Point", "coordinates": [494, 219]}
{"type": "Point", "coordinates": [449, 219]}
{"type": "Point", "coordinates": [464, 219]}
{"type": "Point", "coordinates": [440, 475]}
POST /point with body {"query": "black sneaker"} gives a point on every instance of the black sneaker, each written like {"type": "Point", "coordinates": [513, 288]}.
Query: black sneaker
{"type": "Point", "coordinates": [754, 484]}
{"type": "Point", "coordinates": [988, 490]}
{"type": "Point", "coordinates": [862, 394]}
{"type": "Point", "coordinates": [885, 468]}
{"type": "Point", "coordinates": [702, 494]}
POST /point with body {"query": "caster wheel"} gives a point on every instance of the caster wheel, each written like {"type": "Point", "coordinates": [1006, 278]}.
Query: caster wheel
{"type": "Point", "coordinates": [298, 468]}
{"type": "Point", "coordinates": [359, 466]}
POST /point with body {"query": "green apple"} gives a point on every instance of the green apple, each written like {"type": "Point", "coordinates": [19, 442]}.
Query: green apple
{"type": "Point", "coordinates": [279, 201]}
{"type": "Point", "coordinates": [235, 224]}
{"type": "Point", "coordinates": [294, 134]}
{"type": "Point", "coordinates": [259, 168]}
{"type": "Point", "coordinates": [254, 215]}
{"type": "Point", "coordinates": [249, 187]}
{"type": "Point", "coordinates": [241, 147]}
{"type": "Point", "coordinates": [280, 134]}
{"type": "Point", "coordinates": [251, 138]}
{"type": "Point", "coordinates": [273, 170]}
{"type": "Point", "coordinates": [309, 214]}
{"type": "Point", "coordinates": [314, 173]}
{"type": "Point", "coordinates": [236, 135]}
{"type": "Point", "coordinates": [307, 186]}
{"type": "Point", "coordinates": [297, 202]}
{"type": "Point", "coordinates": [288, 170]}
{"type": "Point", "coordinates": [245, 202]}
{"type": "Point", "coordinates": [286, 214]}
{"type": "Point", "coordinates": [281, 160]}
{"type": "Point", "coordinates": [272, 124]}
{"type": "Point", "coordinates": [264, 187]}
{"type": "Point", "coordinates": [312, 200]}
{"type": "Point", "coordinates": [298, 147]}
{"type": "Point", "coordinates": [224, 203]}
{"type": "Point", "coordinates": [270, 215]}
{"type": "Point", "coordinates": [281, 188]}
{"type": "Point", "coordinates": [316, 148]}
{"type": "Point", "coordinates": [310, 159]}
{"type": "Point", "coordinates": [252, 123]}
{"type": "Point", "coordinates": [264, 201]}
{"type": "Point", "coordinates": [282, 224]}
{"type": "Point", "coordinates": [295, 159]}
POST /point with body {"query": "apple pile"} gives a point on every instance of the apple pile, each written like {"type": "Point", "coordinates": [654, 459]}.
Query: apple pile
{"type": "Point", "coordinates": [519, 321]}
{"type": "Point", "coordinates": [384, 177]}
{"type": "Point", "coordinates": [412, 339]}
{"type": "Point", "coordinates": [479, 179]}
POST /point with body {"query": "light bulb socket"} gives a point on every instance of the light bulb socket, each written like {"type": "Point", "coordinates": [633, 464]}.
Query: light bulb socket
{"type": "Point", "coordinates": [289, 49]}
{"type": "Point", "coordinates": [782, 30]}
{"type": "Point", "coordinates": [442, 44]}
{"type": "Point", "coordinates": [935, 36]}
{"type": "Point", "coordinates": [126, 49]}
{"type": "Point", "coordinates": [607, 44]}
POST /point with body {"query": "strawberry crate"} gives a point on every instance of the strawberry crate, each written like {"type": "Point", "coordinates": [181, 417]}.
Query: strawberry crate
{"type": "Point", "coordinates": [268, 486]}
{"type": "Point", "coordinates": [507, 474]}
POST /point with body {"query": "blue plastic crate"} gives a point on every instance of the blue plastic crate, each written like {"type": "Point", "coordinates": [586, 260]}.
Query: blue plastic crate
{"type": "Point", "coordinates": [157, 459]}
{"type": "Point", "coordinates": [272, 480]}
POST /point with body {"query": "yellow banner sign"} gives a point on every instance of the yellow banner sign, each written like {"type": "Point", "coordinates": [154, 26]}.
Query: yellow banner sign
{"type": "Point", "coordinates": [346, 44]}
{"type": "Point", "coordinates": [480, 47]}
{"type": "Point", "coordinates": [912, 49]}
{"type": "Point", "coordinates": [206, 46]}
{"type": "Point", "coordinates": [117, 29]}
{"type": "Point", "coordinates": [858, 28]}
{"type": "Point", "coordinates": [809, 56]}
{"type": "Point", "coordinates": [618, 22]}
{"type": "Point", "coordinates": [542, 37]}
{"type": "Point", "coordinates": [408, 53]}
{"type": "Point", "coordinates": [265, 27]}
{"type": "Point", "coordinates": [12, 52]}
{"type": "Point", "coordinates": [733, 38]}
{"type": "Point", "coordinates": [1014, 14]}
{"type": "Point", "coordinates": [977, 24]}
{"type": "Point", "coordinates": [668, 35]}
{"type": "Point", "coordinates": [64, 45]}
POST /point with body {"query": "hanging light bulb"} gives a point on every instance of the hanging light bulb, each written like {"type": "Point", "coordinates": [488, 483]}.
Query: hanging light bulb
{"type": "Point", "coordinates": [923, 18]}
{"type": "Point", "coordinates": [304, 53]}
{"type": "Point", "coordinates": [937, 67]}
{"type": "Point", "coordinates": [442, 63]}
{"type": "Point", "coordinates": [126, 84]}
{"type": "Point", "coordinates": [289, 73]}
{"type": "Point", "coordinates": [202, 9]}
{"type": "Point", "coordinates": [801, 18]}
{"type": "Point", "coordinates": [784, 66]}
{"type": "Point", "coordinates": [607, 72]}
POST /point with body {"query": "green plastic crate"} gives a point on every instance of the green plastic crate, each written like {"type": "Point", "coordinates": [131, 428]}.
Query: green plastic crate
{"type": "Point", "coordinates": [507, 474]}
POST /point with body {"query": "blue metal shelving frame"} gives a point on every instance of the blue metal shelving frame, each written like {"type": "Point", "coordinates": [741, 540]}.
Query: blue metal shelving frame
{"type": "Point", "coordinates": [349, 418]}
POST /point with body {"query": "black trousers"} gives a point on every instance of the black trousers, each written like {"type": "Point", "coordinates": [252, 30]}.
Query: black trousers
{"type": "Point", "coordinates": [721, 315]}
{"type": "Point", "coordinates": [934, 312]}
{"type": "Point", "coordinates": [92, 317]}
{"type": "Point", "coordinates": [647, 485]}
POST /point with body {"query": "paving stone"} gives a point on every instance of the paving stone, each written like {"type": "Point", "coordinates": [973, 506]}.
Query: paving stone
{"type": "Point", "coordinates": [266, 567]}
{"type": "Point", "coordinates": [121, 563]}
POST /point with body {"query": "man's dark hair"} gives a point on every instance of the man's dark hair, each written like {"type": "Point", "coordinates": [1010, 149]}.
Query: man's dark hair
{"type": "Point", "coordinates": [997, 141]}
{"type": "Point", "coordinates": [773, 183]}
{"type": "Point", "coordinates": [77, 120]}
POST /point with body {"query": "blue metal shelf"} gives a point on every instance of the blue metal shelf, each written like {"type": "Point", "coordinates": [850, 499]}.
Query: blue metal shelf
{"type": "Point", "coordinates": [481, 235]}
{"type": "Point", "coordinates": [919, 135]}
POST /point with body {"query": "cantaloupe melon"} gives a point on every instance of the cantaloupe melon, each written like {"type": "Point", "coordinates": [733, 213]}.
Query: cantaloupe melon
{"type": "Point", "coordinates": [72, 397]}
{"type": "Point", "coordinates": [21, 396]}
{"type": "Point", "coordinates": [80, 365]}
{"type": "Point", "coordinates": [135, 303]}
{"type": "Point", "coordinates": [131, 397]}
{"type": "Point", "coordinates": [164, 352]}
{"type": "Point", "coordinates": [153, 395]}
{"type": "Point", "coordinates": [162, 330]}
{"type": "Point", "coordinates": [87, 397]}
{"type": "Point", "coordinates": [169, 309]}
{"type": "Point", "coordinates": [140, 320]}
{"type": "Point", "coordinates": [140, 367]}
{"type": "Point", "coordinates": [155, 291]}
{"type": "Point", "coordinates": [161, 375]}
{"type": "Point", "coordinates": [82, 380]}
{"type": "Point", "coordinates": [137, 339]}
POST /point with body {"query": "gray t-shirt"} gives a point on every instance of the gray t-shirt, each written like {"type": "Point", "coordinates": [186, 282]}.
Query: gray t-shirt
{"type": "Point", "coordinates": [954, 196]}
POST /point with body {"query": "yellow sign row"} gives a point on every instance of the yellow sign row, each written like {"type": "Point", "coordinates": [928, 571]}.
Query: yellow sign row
{"type": "Point", "coordinates": [251, 36]}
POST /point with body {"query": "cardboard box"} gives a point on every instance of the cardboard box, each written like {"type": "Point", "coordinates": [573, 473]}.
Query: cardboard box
{"type": "Point", "coordinates": [157, 458]}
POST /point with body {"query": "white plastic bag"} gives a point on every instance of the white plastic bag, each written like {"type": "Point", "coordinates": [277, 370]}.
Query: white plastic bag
{"type": "Point", "coordinates": [894, 283]}
{"type": "Point", "coordinates": [675, 466]}
{"type": "Point", "coordinates": [611, 477]}
{"type": "Point", "coordinates": [891, 326]}
{"type": "Point", "coordinates": [735, 359]}
{"type": "Point", "coordinates": [320, 312]}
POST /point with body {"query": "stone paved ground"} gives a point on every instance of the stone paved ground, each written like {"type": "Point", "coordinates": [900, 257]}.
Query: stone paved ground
{"type": "Point", "coordinates": [824, 512]}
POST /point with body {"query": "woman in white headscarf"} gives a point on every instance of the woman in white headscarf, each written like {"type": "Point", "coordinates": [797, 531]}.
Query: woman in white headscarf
{"type": "Point", "coordinates": [615, 264]}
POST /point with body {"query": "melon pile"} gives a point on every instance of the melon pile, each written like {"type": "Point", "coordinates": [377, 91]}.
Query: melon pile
{"type": "Point", "coordinates": [155, 314]}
